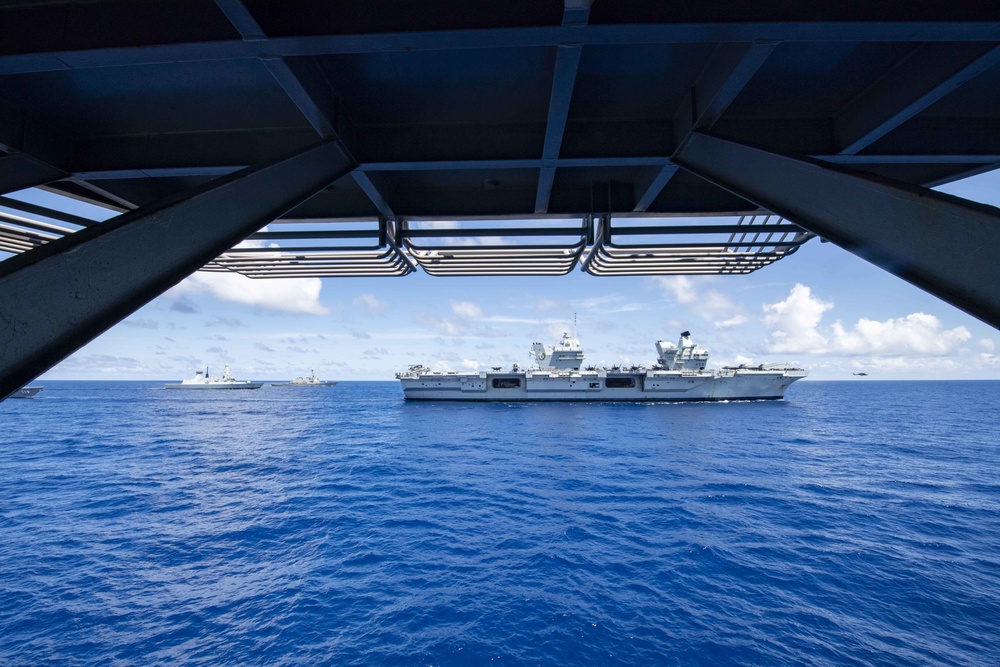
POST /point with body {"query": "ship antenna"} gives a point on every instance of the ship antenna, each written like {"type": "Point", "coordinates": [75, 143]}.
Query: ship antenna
{"type": "Point", "coordinates": [575, 335]}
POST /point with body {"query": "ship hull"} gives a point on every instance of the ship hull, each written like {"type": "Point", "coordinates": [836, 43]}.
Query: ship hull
{"type": "Point", "coordinates": [214, 386]}
{"type": "Point", "coordinates": [324, 383]}
{"type": "Point", "coordinates": [651, 386]}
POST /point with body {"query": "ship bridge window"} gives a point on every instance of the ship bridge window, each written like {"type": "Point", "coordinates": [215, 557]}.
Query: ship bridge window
{"type": "Point", "coordinates": [506, 383]}
{"type": "Point", "coordinates": [619, 383]}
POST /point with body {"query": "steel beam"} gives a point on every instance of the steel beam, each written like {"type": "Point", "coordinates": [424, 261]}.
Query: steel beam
{"type": "Point", "coordinates": [242, 20]}
{"type": "Point", "coordinates": [725, 75]}
{"type": "Point", "coordinates": [306, 88]}
{"type": "Point", "coordinates": [563, 81]}
{"type": "Point", "coordinates": [57, 298]}
{"type": "Point", "coordinates": [850, 30]}
{"type": "Point", "coordinates": [184, 153]}
{"type": "Point", "coordinates": [944, 245]}
{"type": "Point", "coordinates": [309, 89]}
{"type": "Point", "coordinates": [924, 77]}
{"type": "Point", "coordinates": [576, 12]}
{"type": "Point", "coordinates": [373, 193]}
{"type": "Point", "coordinates": [651, 183]}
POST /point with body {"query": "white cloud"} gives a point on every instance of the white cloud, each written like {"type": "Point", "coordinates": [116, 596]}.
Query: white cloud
{"type": "Point", "coordinates": [370, 304]}
{"type": "Point", "coordinates": [220, 352]}
{"type": "Point", "coordinates": [466, 309]}
{"type": "Point", "coordinates": [989, 359]}
{"type": "Point", "coordinates": [917, 333]}
{"type": "Point", "coordinates": [503, 319]}
{"type": "Point", "coordinates": [681, 288]}
{"type": "Point", "coordinates": [908, 365]}
{"type": "Point", "coordinates": [547, 305]}
{"type": "Point", "coordinates": [141, 323]}
{"type": "Point", "coordinates": [627, 308]}
{"type": "Point", "coordinates": [102, 363]}
{"type": "Point", "coordinates": [555, 330]}
{"type": "Point", "coordinates": [449, 326]}
{"type": "Point", "coordinates": [719, 309]}
{"type": "Point", "coordinates": [794, 325]}
{"type": "Point", "coordinates": [598, 303]}
{"type": "Point", "coordinates": [793, 322]}
{"type": "Point", "coordinates": [487, 331]}
{"type": "Point", "coordinates": [183, 304]}
{"type": "Point", "coordinates": [231, 322]}
{"type": "Point", "coordinates": [734, 321]}
{"type": "Point", "coordinates": [287, 295]}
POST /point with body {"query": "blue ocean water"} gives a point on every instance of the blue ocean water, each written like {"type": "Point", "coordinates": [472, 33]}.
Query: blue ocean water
{"type": "Point", "coordinates": [853, 523]}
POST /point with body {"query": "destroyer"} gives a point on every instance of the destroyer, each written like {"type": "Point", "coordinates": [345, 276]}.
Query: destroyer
{"type": "Point", "coordinates": [679, 375]}
{"type": "Point", "coordinates": [203, 381]}
{"type": "Point", "coordinates": [311, 381]}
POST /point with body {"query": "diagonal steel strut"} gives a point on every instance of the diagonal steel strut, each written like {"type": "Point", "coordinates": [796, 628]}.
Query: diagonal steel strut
{"type": "Point", "coordinates": [942, 244]}
{"type": "Point", "coordinates": [60, 296]}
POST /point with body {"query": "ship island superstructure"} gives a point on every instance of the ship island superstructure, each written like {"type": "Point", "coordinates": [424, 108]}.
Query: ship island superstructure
{"type": "Point", "coordinates": [680, 374]}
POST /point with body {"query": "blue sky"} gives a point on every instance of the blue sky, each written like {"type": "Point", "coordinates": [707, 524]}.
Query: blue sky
{"type": "Point", "coordinates": [821, 308]}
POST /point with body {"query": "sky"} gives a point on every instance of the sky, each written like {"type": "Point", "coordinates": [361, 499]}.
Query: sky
{"type": "Point", "coordinates": [821, 308]}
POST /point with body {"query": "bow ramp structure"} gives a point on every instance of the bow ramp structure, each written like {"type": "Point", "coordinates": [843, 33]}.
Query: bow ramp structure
{"type": "Point", "coordinates": [282, 138]}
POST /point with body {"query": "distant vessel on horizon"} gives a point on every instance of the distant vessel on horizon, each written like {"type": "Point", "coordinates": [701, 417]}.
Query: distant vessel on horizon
{"type": "Point", "coordinates": [311, 381]}
{"type": "Point", "coordinates": [679, 375]}
{"type": "Point", "coordinates": [26, 392]}
{"type": "Point", "coordinates": [203, 381]}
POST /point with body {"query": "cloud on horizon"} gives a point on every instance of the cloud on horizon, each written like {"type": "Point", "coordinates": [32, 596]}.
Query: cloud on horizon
{"type": "Point", "coordinates": [795, 326]}
{"type": "Point", "coordinates": [102, 363]}
{"type": "Point", "coordinates": [466, 309]}
{"type": "Point", "coordinates": [288, 295]}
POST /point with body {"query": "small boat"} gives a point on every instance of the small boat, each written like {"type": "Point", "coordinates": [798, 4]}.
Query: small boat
{"type": "Point", "coordinates": [311, 381]}
{"type": "Point", "coordinates": [203, 381]}
{"type": "Point", "coordinates": [26, 392]}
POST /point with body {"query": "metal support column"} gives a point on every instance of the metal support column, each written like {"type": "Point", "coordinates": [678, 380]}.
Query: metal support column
{"type": "Point", "coordinates": [945, 245]}
{"type": "Point", "coordinates": [60, 296]}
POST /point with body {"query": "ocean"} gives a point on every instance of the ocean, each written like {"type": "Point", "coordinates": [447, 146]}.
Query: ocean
{"type": "Point", "coordinates": [854, 523]}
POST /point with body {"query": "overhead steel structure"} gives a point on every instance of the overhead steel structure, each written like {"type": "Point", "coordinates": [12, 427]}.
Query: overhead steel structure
{"type": "Point", "coordinates": [377, 138]}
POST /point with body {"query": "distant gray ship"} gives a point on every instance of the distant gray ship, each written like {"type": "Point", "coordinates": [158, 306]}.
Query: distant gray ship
{"type": "Point", "coordinates": [26, 392]}
{"type": "Point", "coordinates": [679, 375]}
{"type": "Point", "coordinates": [203, 381]}
{"type": "Point", "coordinates": [311, 381]}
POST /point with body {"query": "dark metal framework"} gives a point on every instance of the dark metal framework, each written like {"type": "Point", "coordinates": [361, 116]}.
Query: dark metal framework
{"type": "Point", "coordinates": [318, 250]}
{"type": "Point", "coordinates": [752, 243]}
{"type": "Point", "coordinates": [836, 115]}
{"type": "Point", "coordinates": [328, 249]}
